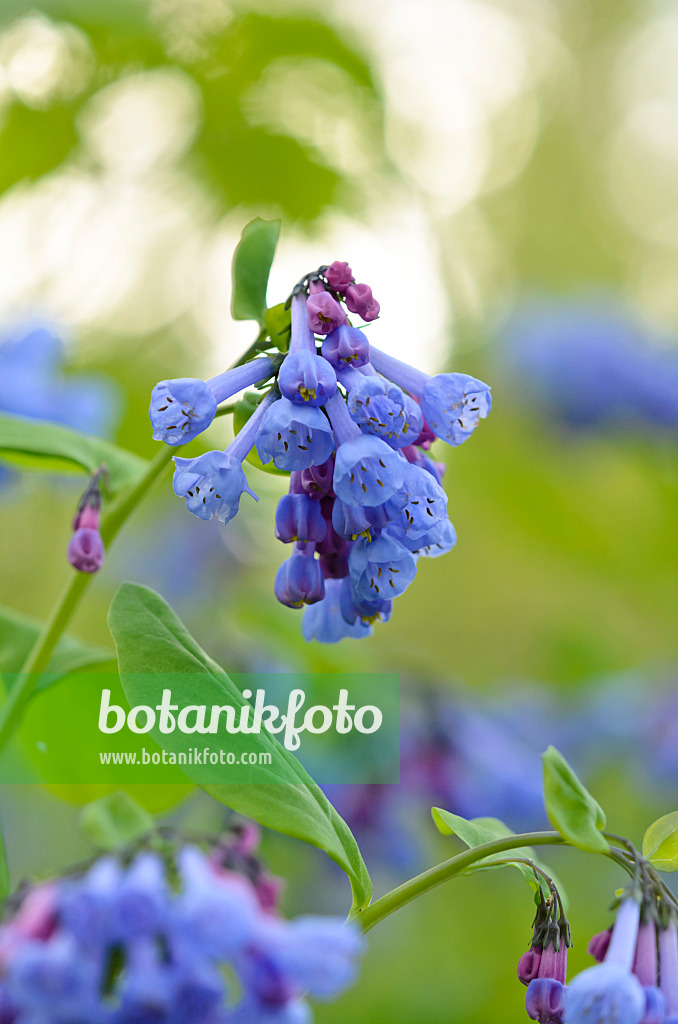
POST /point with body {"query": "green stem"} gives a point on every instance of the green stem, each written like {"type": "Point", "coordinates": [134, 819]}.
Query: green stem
{"type": "Point", "coordinates": [41, 652]}
{"type": "Point", "coordinates": [435, 876]}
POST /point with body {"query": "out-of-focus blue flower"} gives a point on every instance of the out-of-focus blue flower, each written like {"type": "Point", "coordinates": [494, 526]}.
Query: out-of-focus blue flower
{"type": "Point", "coordinates": [32, 385]}
{"type": "Point", "coordinates": [593, 363]}
{"type": "Point", "coordinates": [324, 622]}
{"type": "Point", "coordinates": [609, 993]}
{"type": "Point", "coordinates": [120, 945]}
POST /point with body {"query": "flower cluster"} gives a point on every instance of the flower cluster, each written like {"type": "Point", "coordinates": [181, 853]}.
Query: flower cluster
{"type": "Point", "coordinates": [635, 980]}
{"type": "Point", "coordinates": [544, 967]}
{"type": "Point", "coordinates": [86, 548]}
{"type": "Point", "coordinates": [141, 942]}
{"type": "Point", "coordinates": [353, 426]}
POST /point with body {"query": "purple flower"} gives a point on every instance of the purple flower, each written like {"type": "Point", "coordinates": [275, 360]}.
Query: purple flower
{"type": "Point", "coordinates": [299, 579]}
{"type": "Point", "coordinates": [339, 276]}
{"type": "Point", "coordinates": [528, 965]}
{"type": "Point", "coordinates": [85, 550]}
{"type": "Point", "coordinates": [324, 313]}
{"type": "Point", "coordinates": [183, 408]}
{"type": "Point", "coordinates": [346, 346]}
{"type": "Point", "coordinates": [299, 518]}
{"type": "Point", "coordinates": [668, 965]}
{"type": "Point", "coordinates": [545, 1000]}
{"type": "Point", "coordinates": [360, 300]}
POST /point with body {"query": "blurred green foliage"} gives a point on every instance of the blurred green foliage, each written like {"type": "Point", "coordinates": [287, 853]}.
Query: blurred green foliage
{"type": "Point", "coordinates": [567, 561]}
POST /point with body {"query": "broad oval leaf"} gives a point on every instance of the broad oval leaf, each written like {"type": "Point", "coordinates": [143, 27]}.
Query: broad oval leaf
{"type": "Point", "coordinates": [51, 448]}
{"type": "Point", "coordinates": [570, 807]}
{"type": "Point", "coordinates": [19, 632]}
{"type": "Point", "coordinates": [477, 831]}
{"type": "Point", "coordinates": [251, 266]}
{"type": "Point", "coordinates": [115, 821]}
{"type": "Point", "coordinates": [147, 635]}
{"type": "Point", "coordinates": [660, 843]}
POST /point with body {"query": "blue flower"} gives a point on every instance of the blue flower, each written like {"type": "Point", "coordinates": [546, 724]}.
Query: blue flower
{"type": "Point", "coordinates": [382, 408]}
{"type": "Point", "coordinates": [353, 607]}
{"type": "Point", "coordinates": [183, 408]}
{"type": "Point", "coordinates": [367, 471]}
{"type": "Point", "coordinates": [31, 354]}
{"type": "Point", "coordinates": [212, 484]}
{"type": "Point", "coordinates": [324, 621]}
{"type": "Point", "coordinates": [294, 437]}
{"type": "Point", "coordinates": [121, 946]}
{"type": "Point", "coordinates": [604, 994]}
{"type": "Point", "coordinates": [454, 404]}
{"type": "Point", "coordinates": [346, 346]}
{"type": "Point", "coordinates": [299, 579]}
{"type": "Point", "coordinates": [381, 569]}
{"type": "Point", "coordinates": [307, 379]}
{"type": "Point", "coordinates": [439, 540]}
{"type": "Point", "coordinates": [609, 993]}
{"type": "Point", "coordinates": [419, 505]}
{"type": "Point", "coordinates": [593, 363]}
{"type": "Point", "coordinates": [351, 521]}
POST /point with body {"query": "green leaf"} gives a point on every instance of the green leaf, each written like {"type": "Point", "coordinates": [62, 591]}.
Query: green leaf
{"type": "Point", "coordinates": [660, 843]}
{"type": "Point", "coordinates": [147, 634]}
{"type": "Point", "coordinates": [477, 831]}
{"type": "Point", "coordinates": [115, 821]}
{"type": "Point", "coordinates": [19, 632]}
{"type": "Point", "coordinates": [570, 807]}
{"type": "Point", "coordinates": [251, 266]}
{"type": "Point", "coordinates": [277, 322]}
{"type": "Point", "coordinates": [50, 448]}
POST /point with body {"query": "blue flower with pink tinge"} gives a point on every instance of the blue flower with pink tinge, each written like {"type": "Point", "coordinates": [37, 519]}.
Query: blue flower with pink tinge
{"type": "Point", "coordinates": [353, 427]}
{"type": "Point", "coordinates": [120, 944]}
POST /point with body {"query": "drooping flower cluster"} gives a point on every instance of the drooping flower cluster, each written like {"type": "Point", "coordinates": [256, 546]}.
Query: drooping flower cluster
{"type": "Point", "coordinates": [139, 943]}
{"type": "Point", "coordinates": [86, 548]}
{"type": "Point", "coordinates": [352, 426]}
{"type": "Point", "coordinates": [635, 980]}
{"type": "Point", "coordinates": [544, 967]}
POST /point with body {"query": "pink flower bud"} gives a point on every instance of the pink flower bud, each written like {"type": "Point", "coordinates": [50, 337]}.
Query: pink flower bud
{"type": "Point", "coordinates": [339, 276]}
{"type": "Point", "coordinates": [528, 965]}
{"type": "Point", "coordinates": [360, 300]}
{"type": "Point", "coordinates": [324, 313]}
{"type": "Point", "coordinates": [86, 550]}
{"type": "Point", "coordinates": [598, 945]}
